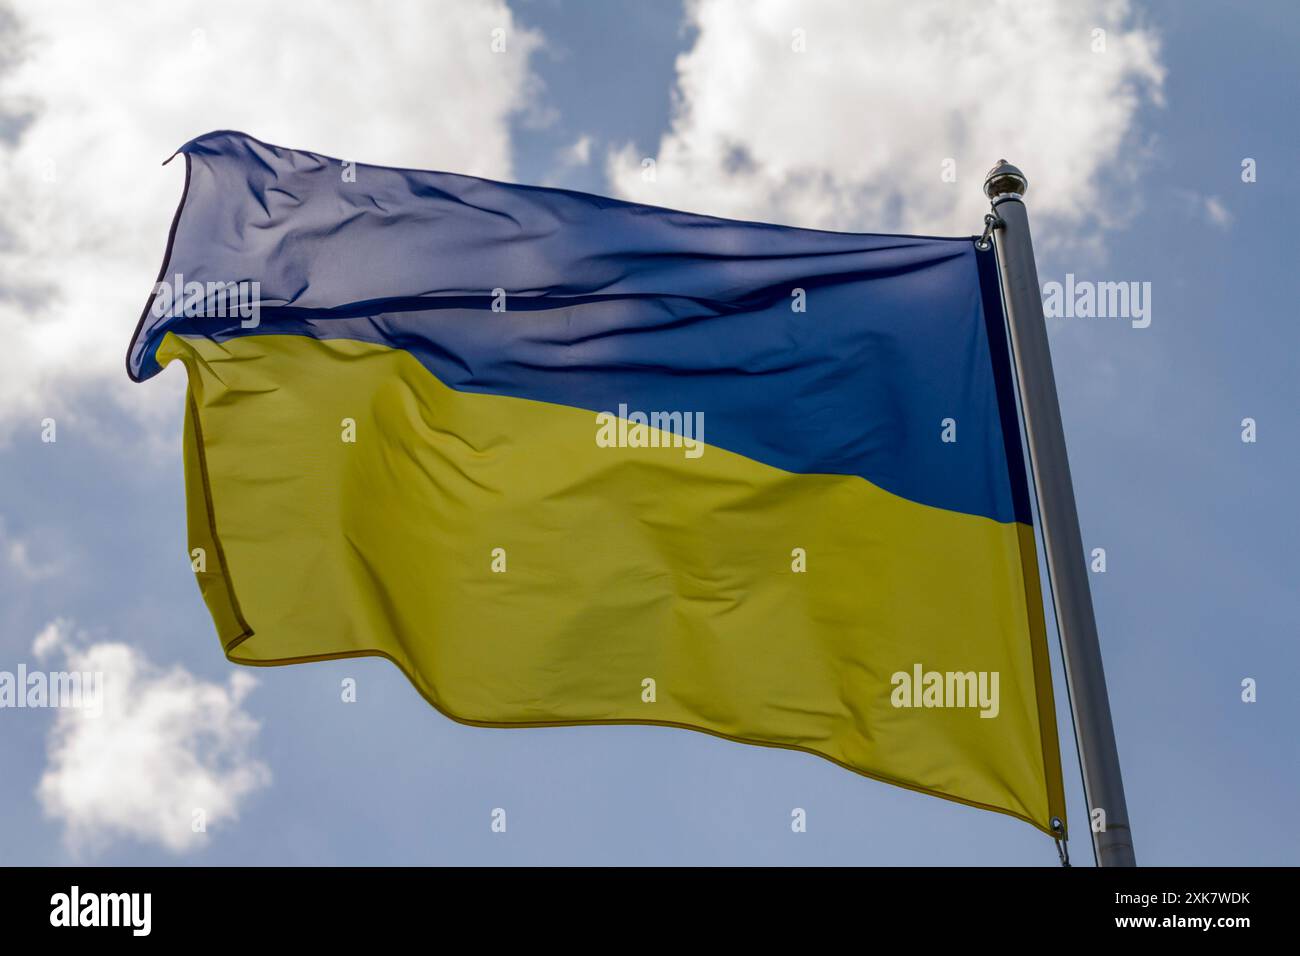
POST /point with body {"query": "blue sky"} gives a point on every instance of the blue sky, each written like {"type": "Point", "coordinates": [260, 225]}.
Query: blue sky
{"type": "Point", "coordinates": [1135, 171]}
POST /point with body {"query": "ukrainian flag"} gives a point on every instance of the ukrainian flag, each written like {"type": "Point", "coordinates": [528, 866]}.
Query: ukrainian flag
{"type": "Point", "coordinates": [569, 460]}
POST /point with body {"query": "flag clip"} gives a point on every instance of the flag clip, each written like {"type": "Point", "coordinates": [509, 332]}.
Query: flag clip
{"type": "Point", "coordinates": [985, 242]}
{"type": "Point", "coordinates": [1062, 844]}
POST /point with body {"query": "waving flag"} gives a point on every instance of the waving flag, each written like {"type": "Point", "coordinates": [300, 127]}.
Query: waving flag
{"type": "Point", "coordinates": [569, 460]}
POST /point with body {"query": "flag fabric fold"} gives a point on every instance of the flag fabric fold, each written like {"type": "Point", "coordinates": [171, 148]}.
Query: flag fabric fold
{"type": "Point", "coordinates": [565, 460]}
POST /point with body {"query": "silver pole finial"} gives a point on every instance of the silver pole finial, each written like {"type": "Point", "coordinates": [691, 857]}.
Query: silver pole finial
{"type": "Point", "coordinates": [1005, 180]}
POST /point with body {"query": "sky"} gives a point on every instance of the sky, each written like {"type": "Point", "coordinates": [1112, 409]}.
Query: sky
{"type": "Point", "coordinates": [1160, 140]}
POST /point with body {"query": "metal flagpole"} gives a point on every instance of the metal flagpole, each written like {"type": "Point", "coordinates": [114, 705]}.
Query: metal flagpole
{"type": "Point", "coordinates": [1005, 186]}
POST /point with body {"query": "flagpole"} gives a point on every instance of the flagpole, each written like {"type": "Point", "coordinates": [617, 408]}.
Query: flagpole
{"type": "Point", "coordinates": [1005, 187]}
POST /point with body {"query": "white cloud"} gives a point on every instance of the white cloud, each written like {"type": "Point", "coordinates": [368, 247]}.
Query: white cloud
{"type": "Point", "coordinates": [578, 153]}
{"type": "Point", "coordinates": [166, 744]}
{"type": "Point", "coordinates": [15, 554]}
{"type": "Point", "coordinates": [110, 92]}
{"type": "Point", "coordinates": [1204, 208]}
{"type": "Point", "coordinates": [853, 132]}
{"type": "Point", "coordinates": [1217, 212]}
{"type": "Point", "coordinates": [51, 638]}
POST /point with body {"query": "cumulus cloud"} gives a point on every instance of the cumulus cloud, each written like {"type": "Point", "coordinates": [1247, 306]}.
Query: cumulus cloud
{"type": "Point", "coordinates": [163, 746]}
{"type": "Point", "coordinates": [94, 96]}
{"type": "Point", "coordinates": [844, 114]}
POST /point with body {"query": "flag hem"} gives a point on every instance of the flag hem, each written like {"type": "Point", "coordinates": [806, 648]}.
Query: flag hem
{"type": "Point", "coordinates": [1003, 377]}
{"type": "Point", "coordinates": [522, 724]}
